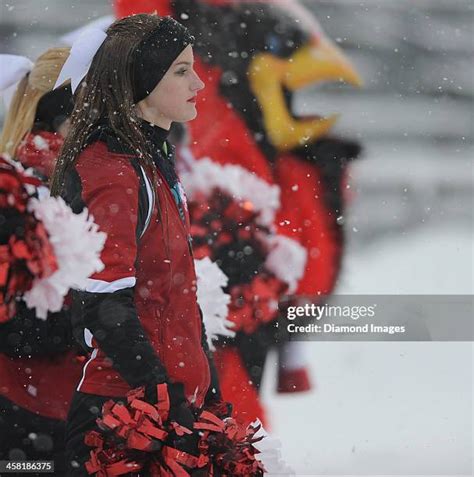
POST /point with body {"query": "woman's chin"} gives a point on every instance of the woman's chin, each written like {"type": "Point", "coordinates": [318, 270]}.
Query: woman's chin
{"type": "Point", "coordinates": [190, 115]}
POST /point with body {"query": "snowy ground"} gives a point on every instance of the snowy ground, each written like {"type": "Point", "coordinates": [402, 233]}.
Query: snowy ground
{"type": "Point", "coordinates": [387, 408]}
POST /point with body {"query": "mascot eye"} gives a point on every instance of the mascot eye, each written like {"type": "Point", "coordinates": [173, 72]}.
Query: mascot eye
{"type": "Point", "coordinates": [274, 43]}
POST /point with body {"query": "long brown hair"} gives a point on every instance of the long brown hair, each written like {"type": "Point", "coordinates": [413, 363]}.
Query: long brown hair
{"type": "Point", "coordinates": [21, 113]}
{"type": "Point", "coordinates": [107, 92]}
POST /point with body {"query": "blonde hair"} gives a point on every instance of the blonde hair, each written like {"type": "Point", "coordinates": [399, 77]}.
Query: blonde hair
{"type": "Point", "coordinates": [20, 118]}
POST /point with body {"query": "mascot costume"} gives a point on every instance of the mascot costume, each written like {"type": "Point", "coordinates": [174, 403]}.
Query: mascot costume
{"type": "Point", "coordinates": [253, 56]}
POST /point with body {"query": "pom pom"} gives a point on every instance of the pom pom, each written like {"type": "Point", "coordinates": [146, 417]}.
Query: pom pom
{"type": "Point", "coordinates": [25, 249]}
{"type": "Point", "coordinates": [212, 299]}
{"type": "Point", "coordinates": [77, 244]}
{"type": "Point", "coordinates": [256, 303]}
{"type": "Point", "coordinates": [232, 213]}
{"type": "Point", "coordinates": [228, 447]}
{"type": "Point", "coordinates": [270, 453]}
{"type": "Point", "coordinates": [45, 249]}
{"type": "Point", "coordinates": [238, 183]}
{"type": "Point", "coordinates": [133, 437]}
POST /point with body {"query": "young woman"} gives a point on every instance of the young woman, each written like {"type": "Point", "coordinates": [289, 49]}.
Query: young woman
{"type": "Point", "coordinates": [139, 315]}
{"type": "Point", "coordinates": [39, 365]}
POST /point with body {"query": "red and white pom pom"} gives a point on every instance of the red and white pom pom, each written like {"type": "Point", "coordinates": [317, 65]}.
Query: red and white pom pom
{"type": "Point", "coordinates": [77, 244]}
{"type": "Point", "coordinates": [212, 299]}
{"type": "Point", "coordinates": [25, 250]}
{"type": "Point", "coordinates": [206, 175]}
{"type": "Point", "coordinates": [46, 249]}
{"type": "Point", "coordinates": [232, 213]}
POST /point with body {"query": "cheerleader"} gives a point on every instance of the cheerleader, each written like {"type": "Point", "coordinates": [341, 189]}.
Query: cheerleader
{"type": "Point", "coordinates": [39, 363]}
{"type": "Point", "coordinates": [139, 315]}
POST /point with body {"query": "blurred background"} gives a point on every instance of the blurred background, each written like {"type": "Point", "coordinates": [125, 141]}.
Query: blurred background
{"type": "Point", "coordinates": [413, 190]}
{"type": "Point", "coordinates": [378, 408]}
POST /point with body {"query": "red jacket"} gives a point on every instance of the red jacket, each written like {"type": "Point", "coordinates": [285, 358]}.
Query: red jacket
{"type": "Point", "coordinates": [140, 313]}
{"type": "Point", "coordinates": [43, 384]}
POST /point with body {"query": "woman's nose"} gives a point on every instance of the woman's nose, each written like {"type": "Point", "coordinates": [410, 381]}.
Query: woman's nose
{"type": "Point", "coordinates": [198, 83]}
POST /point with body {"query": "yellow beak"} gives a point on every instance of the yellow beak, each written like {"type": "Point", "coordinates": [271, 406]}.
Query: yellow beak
{"type": "Point", "coordinates": [313, 63]}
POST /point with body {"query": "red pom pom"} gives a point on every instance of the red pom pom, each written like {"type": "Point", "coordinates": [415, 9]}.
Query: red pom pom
{"type": "Point", "coordinates": [133, 437]}
{"type": "Point", "coordinates": [255, 303]}
{"type": "Point", "coordinates": [26, 253]}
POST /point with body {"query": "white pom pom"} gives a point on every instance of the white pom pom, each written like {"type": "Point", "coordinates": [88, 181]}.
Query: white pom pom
{"type": "Point", "coordinates": [287, 260]}
{"type": "Point", "coordinates": [77, 245]}
{"type": "Point", "coordinates": [270, 454]}
{"type": "Point", "coordinates": [212, 300]}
